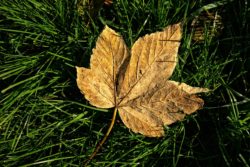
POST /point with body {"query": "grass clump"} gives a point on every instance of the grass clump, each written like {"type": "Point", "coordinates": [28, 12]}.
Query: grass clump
{"type": "Point", "coordinates": [45, 121]}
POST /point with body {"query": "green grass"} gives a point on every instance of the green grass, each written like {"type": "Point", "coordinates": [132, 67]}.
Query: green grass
{"type": "Point", "coordinates": [45, 120]}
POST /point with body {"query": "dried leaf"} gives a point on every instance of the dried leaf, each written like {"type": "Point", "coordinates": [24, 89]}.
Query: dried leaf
{"type": "Point", "coordinates": [88, 9]}
{"type": "Point", "coordinates": [138, 85]}
{"type": "Point", "coordinates": [108, 2]}
{"type": "Point", "coordinates": [207, 24]}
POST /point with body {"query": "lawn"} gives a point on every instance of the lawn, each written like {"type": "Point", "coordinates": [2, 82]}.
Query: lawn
{"type": "Point", "coordinates": [46, 121]}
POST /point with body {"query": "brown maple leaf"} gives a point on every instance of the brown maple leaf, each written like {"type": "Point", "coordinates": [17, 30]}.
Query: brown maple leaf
{"type": "Point", "coordinates": [136, 82]}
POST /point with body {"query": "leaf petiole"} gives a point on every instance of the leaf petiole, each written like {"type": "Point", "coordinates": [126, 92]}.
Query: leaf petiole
{"type": "Point", "coordinates": [104, 139]}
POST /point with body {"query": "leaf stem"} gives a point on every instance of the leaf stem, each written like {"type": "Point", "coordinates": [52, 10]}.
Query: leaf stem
{"type": "Point", "coordinates": [104, 139]}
